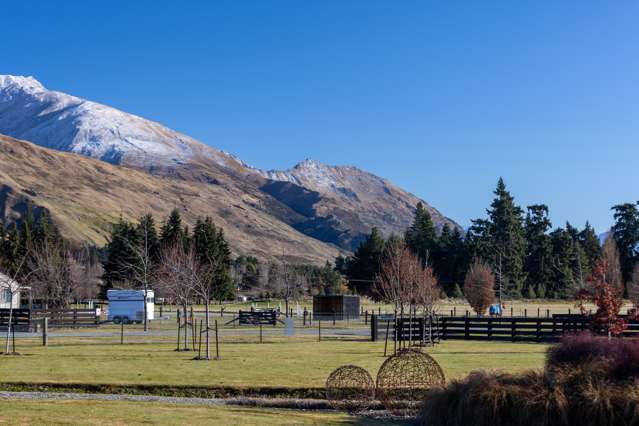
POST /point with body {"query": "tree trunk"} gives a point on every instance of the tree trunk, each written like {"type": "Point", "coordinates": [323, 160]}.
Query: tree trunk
{"type": "Point", "coordinates": [186, 329]}
{"type": "Point", "coordinates": [206, 322]}
{"type": "Point", "coordinates": [146, 314]}
{"type": "Point", "coordinates": [6, 349]}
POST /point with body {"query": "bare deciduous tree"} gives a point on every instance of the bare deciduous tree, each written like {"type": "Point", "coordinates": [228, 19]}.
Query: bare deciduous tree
{"type": "Point", "coordinates": [398, 272]}
{"type": "Point", "coordinates": [479, 286]}
{"type": "Point", "coordinates": [86, 272]}
{"type": "Point", "coordinates": [201, 278]}
{"type": "Point", "coordinates": [51, 278]}
{"type": "Point", "coordinates": [172, 279]}
{"type": "Point", "coordinates": [427, 291]}
{"type": "Point", "coordinates": [290, 283]}
{"type": "Point", "coordinates": [9, 283]}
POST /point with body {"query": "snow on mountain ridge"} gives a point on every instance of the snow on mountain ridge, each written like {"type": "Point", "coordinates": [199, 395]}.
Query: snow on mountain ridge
{"type": "Point", "coordinates": [57, 120]}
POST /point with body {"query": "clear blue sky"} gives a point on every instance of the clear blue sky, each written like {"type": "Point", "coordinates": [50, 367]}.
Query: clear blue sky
{"type": "Point", "coordinates": [442, 98]}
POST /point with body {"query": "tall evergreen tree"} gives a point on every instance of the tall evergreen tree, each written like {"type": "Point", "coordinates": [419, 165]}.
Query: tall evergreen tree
{"type": "Point", "coordinates": [592, 247]}
{"type": "Point", "coordinates": [365, 263]}
{"type": "Point", "coordinates": [421, 237]}
{"type": "Point", "coordinates": [120, 256]}
{"type": "Point", "coordinates": [172, 230]}
{"type": "Point", "coordinates": [538, 261]}
{"type": "Point", "coordinates": [500, 240]}
{"type": "Point", "coordinates": [563, 257]}
{"type": "Point", "coordinates": [625, 231]}
{"type": "Point", "coordinates": [147, 235]}
{"type": "Point", "coordinates": [210, 245]}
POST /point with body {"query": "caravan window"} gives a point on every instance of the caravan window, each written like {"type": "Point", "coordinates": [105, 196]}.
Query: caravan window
{"type": "Point", "coordinates": [6, 295]}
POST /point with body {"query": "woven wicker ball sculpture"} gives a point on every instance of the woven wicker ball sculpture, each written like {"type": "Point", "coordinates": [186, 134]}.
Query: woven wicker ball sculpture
{"type": "Point", "coordinates": [404, 379]}
{"type": "Point", "coordinates": [350, 388]}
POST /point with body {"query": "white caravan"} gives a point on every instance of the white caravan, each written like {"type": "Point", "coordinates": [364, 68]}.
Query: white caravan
{"type": "Point", "coordinates": [127, 306]}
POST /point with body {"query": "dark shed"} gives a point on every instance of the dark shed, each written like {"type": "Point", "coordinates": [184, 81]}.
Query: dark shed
{"type": "Point", "coordinates": [338, 307]}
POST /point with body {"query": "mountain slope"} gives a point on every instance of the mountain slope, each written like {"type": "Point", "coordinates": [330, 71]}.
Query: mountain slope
{"type": "Point", "coordinates": [85, 196]}
{"type": "Point", "coordinates": [337, 205]}
{"type": "Point", "coordinates": [56, 120]}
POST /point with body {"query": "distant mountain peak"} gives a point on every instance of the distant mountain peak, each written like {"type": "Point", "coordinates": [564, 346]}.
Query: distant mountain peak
{"type": "Point", "coordinates": [57, 120]}
{"type": "Point", "coordinates": [27, 83]}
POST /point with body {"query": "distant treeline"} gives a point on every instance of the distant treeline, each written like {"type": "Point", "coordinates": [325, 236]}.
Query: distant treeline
{"type": "Point", "coordinates": [529, 258]}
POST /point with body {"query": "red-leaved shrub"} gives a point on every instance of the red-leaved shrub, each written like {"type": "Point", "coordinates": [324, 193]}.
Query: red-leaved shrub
{"type": "Point", "coordinates": [618, 358]}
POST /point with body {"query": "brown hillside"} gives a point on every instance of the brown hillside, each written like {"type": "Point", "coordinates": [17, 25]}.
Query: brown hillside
{"type": "Point", "coordinates": [85, 196]}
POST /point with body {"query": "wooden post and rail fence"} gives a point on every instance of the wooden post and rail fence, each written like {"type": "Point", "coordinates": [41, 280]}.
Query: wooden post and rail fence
{"type": "Point", "coordinates": [513, 329]}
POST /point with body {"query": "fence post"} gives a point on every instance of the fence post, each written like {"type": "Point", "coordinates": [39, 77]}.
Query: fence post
{"type": "Point", "coordinates": [122, 333]}
{"type": "Point", "coordinates": [217, 343]}
{"type": "Point", "coordinates": [466, 326]}
{"type": "Point", "coordinates": [538, 329]}
{"type": "Point", "coordinates": [525, 312]}
{"type": "Point", "coordinates": [374, 327]}
{"type": "Point", "coordinates": [386, 341]}
{"type": "Point", "coordinates": [178, 330]}
{"type": "Point", "coordinates": [490, 328]}
{"type": "Point", "coordinates": [366, 317]}
{"type": "Point", "coordinates": [260, 333]}
{"type": "Point", "coordinates": [45, 331]}
{"type": "Point", "coordinates": [319, 331]}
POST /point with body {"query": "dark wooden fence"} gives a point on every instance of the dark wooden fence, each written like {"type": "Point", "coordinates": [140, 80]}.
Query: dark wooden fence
{"type": "Point", "coordinates": [257, 318]}
{"type": "Point", "coordinates": [514, 329]}
{"type": "Point", "coordinates": [60, 318]}
{"type": "Point", "coordinates": [29, 319]}
{"type": "Point", "coordinates": [20, 319]}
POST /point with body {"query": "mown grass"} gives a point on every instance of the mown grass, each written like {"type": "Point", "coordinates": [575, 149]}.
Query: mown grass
{"type": "Point", "coordinates": [21, 412]}
{"type": "Point", "coordinates": [295, 362]}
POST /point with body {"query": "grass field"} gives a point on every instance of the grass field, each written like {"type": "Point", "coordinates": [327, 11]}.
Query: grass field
{"type": "Point", "coordinates": [19, 412]}
{"type": "Point", "coordinates": [444, 306]}
{"type": "Point", "coordinates": [280, 362]}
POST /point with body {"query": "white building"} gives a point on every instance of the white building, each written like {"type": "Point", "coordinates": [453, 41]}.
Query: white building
{"type": "Point", "coordinates": [8, 286]}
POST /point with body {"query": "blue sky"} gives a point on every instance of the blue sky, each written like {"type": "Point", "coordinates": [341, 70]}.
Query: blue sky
{"type": "Point", "coordinates": [442, 98]}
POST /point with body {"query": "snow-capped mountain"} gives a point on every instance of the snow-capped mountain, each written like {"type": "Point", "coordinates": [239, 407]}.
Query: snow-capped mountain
{"type": "Point", "coordinates": [56, 120]}
{"type": "Point", "coordinates": [377, 201]}
{"type": "Point", "coordinates": [334, 204]}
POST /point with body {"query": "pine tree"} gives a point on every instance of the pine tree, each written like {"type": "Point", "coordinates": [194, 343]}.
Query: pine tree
{"type": "Point", "coordinates": [421, 237]}
{"type": "Point", "coordinates": [592, 247]}
{"type": "Point", "coordinates": [461, 257]}
{"type": "Point", "coordinates": [457, 292]}
{"type": "Point", "coordinates": [148, 235]}
{"type": "Point", "coordinates": [210, 244]}
{"type": "Point", "coordinates": [501, 241]}
{"type": "Point", "coordinates": [626, 234]}
{"type": "Point", "coordinates": [563, 282]}
{"type": "Point", "coordinates": [172, 231]}
{"type": "Point", "coordinates": [538, 261]}
{"type": "Point", "coordinates": [443, 260]}
{"type": "Point", "coordinates": [120, 256]}
{"type": "Point", "coordinates": [365, 263]}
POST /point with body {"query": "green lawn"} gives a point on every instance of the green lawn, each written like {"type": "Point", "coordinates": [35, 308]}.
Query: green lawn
{"type": "Point", "coordinates": [281, 362]}
{"type": "Point", "coordinates": [18, 412]}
